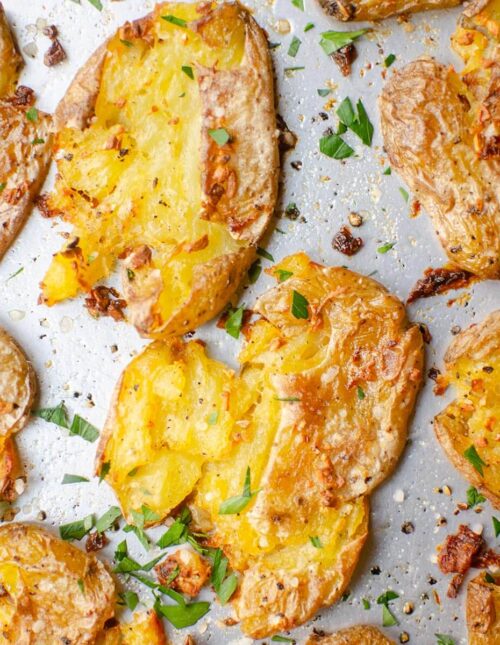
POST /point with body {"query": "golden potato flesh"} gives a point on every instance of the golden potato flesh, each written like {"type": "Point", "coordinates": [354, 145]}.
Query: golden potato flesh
{"type": "Point", "coordinates": [176, 173]}
{"type": "Point", "coordinates": [379, 9]}
{"type": "Point", "coordinates": [483, 610]}
{"type": "Point", "coordinates": [441, 131]}
{"type": "Point", "coordinates": [52, 591]}
{"type": "Point", "coordinates": [17, 392]}
{"type": "Point", "coordinates": [10, 59]}
{"type": "Point", "coordinates": [469, 427]}
{"type": "Point", "coordinates": [318, 414]}
{"type": "Point", "coordinates": [358, 635]}
{"type": "Point", "coordinates": [145, 628]}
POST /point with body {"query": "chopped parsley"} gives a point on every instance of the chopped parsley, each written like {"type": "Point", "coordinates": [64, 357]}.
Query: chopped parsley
{"type": "Point", "coordinates": [2, 186]}
{"type": "Point", "coordinates": [309, 26]}
{"type": "Point", "coordinates": [223, 583]}
{"type": "Point", "coordinates": [489, 578]}
{"type": "Point", "coordinates": [387, 171]}
{"type": "Point", "coordinates": [80, 584]}
{"type": "Point", "coordinates": [290, 70]}
{"type": "Point", "coordinates": [37, 141]}
{"type": "Point", "coordinates": [107, 520]}
{"type": "Point", "coordinates": [180, 22]}
{"type": "Point", "coordinates": [83, 429]}
{"type": "Point", "coordinates": [316, 542]}
{"type": "Point", "coordinates": [282, 275]}
{"type": "Point", "coordinates": [234, 322]}
{"type": "Point", "coordinates": [360, 392]}
{"type": "Point", "coordinates": [282, 639]}
{"type": "Point", "coordinates": [496, 526]}
{"type": "Point", "coordinates": [294, 47]}
{"type": "Point", "coordinates": [324, 91]}
{"type": "Point", "coordinates": [442, 639]}
{"type": "Point", "coordinates": [254, 272]}
{"type": "Point", "coordinates": [212, 418]}
{"type": "Point", "coordinates": [474, 497]}
{"type": "Point", "coordinates": [129, 598]}
{"type": "Point", "coordinates": [388, 618]}
{"type": "Point", "coordinates": [331, 41]}
{"type": "Point", "coordinates": [335, 147]}
{"type": "Point", "coordinates": [183, 614]}
{"type": "Point", "coordinates": [177, 532]}
{"type": "Point", "coordinates": [130, 275]}
{"type": "Point", "coordinates": [32, 114]}
{"type": "Point", "coordinates": [292, 399]}
{"type": "Point", "coordinates": [386, 247]}
{"type": "Point", "coordinates": [188, 70]}
{"type": "Point", "coordinates": [104, 470]}
{"type": "Point", "coordinates": [16, 273]}
{"type": "Point", "coordinates": [236, 504]}
{"type": "Point", "coordinates": [474, 459]}
{"type": "Point", "coordinates": [57, 415]}
{"type": "Point", "coordinates": [299, 4]}
{"type": "Point", "coordinates": [389, 60]}
{"type": "Point", "coordinates": [73, 479]}
{"type": "Point", "coordinates": [366, 603]}
{"type": "Point", "coordinates": [97, 4]}
{"type": "Point", "coordinates": [357, 121]}
{"type": "Point", "coordinates": [76, 530]}
{"type": "Point", "coordinates": [299, 306]}
{"type": "Point", "coordinates": [404, 194]}
{"type": "Point", "coordinates": [264, 254]}
{"type": "Point", "coordinates": [220, 136]}
{"type": "Point", "coordinates": [126, 43]}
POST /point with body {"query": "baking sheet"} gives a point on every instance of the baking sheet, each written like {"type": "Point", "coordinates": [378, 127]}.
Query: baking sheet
{"type": "Point", "coordinates": [73, 353]}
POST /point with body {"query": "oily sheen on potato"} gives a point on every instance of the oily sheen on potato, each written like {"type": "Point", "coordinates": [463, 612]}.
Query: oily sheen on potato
{"type": "Point", "coordinates": [317, 415]}
{"type": "Point", "coordinates": [42, 579]}
{"type": "Point", "coordinates": [167, 160]}
{"type": "Point", "coordinates": [379, 9]}
{"type": "Point", "coordinates": [483, 610]}
{"type": "Point", "coordinates": [25, 138]}
{"type": "Point", "coordinates": [468, 428]}
{"type": "Point", "coordinates": [442, 131]}
{"type": "Point", "coordinates": [145, 628]}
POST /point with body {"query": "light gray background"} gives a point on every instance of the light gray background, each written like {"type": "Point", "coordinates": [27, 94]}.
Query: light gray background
{"type": "Point", "coordinates": [71, 351]}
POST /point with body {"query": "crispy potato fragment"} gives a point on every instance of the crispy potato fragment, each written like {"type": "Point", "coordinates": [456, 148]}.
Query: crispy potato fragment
{"type": "Point", "coordinates": [483, 610]}
{"type": "Point", "coordinates": [380, 9]}
{"type": "Point", "coordinates": [145, 628]}
{"type": "Point", "coordinates": [52, 591]}
{"type": "Point", "coordinates": [468, 428]}
{"type": "Point", "coordinates": [357, 635]}
{"type": "Point", "coordinates": [190, 569]}
{"type": "Point", "coordinates": [442, 133]}
{"type": "Point", "coordinates": [318, 414]}
{"type": "Point", "coordinates": [176, 173]}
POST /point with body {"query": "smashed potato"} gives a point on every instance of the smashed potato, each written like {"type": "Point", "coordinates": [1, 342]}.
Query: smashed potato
{"type": "Point", "coordinates": [468, 428]}
{"type": "Point", "coordinates": [17, 392]}
{"type": "Point", "coordinates": [483, 610]}
{"type": "Point", "coordinates": [145, 628]}
{"type": "Point", "coordinates": [175, 173]}
{"type": "Point", "coordinates": [357, 635]}
{"type": "Point", "coordinates": [379, 9]}
{"type": "Point", "coordinates": [442, 133]}
{"type": "Point", "coordinates": [51, 591]}
{"type": "Point", "coordinates": [10, 59]}
{"type": "Point", "coordinates": [316, 418]}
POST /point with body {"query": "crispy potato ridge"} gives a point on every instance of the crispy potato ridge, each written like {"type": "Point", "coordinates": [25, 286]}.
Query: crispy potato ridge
{"type": "Point", "coordinates": [145, 181]}
{"type": "Point", "coordinates": [379, 9]}
{"type": "Point", "coordinates": [53, 592]}
{"type": "Point", "coordinates": [318, 413]}
{"type": "Point", "coordinates": [356, 635]}
{"type": "Point", "coordinates": [483, 610]}
{"type": "Point", "coordinates": [442, 132]}
{"type": "Point", "coordinates": [473, 419]}
{"type": "Point", "coordinates": [10, 59]}
{"type": "Point", "coordinates": [145, 628]}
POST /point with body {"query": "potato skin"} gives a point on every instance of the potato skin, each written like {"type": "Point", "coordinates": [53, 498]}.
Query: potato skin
{"type": "Point", "coordinates": [356, 635]}
{"type": "Point", "coordinates": [426, 124]}
{"type": "Point", "coordinates": [483, 610]}
{"type": "Point", "coordinates": [476, 345]}
{"type": "Point", "coordinates": [145, 628]}
{"type": "Point", "coordinates": [379, 9]}
{"type": "Point", "coordinates": [238, 179]}
{"type": "Point", "coordinates": [40, 574]}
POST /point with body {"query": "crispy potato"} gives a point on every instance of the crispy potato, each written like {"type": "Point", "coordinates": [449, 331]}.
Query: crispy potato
{"type": "Point", "coordinates": [379, 9]}
{"type": "Point", "coordinates": [318, 414]}
{"type": "Point", "coordinates": [473, 419]}
{"type": "Point", "coordinates": [52, 591]}
{"type": "Point", "coordinates": [10, 59]}
{"type": "Point", "coordinates": [145, 181]}
{"type": "Point", "coordinates": [483, 610]}
{"type": "Point", "coordinates": [357, 635]}
{"type": "Point", "coordinates": [17, 392]}
{"type": "Point", "coordinates": [145, 628]}
{"type": "Point", "coordinates": [441, 132]}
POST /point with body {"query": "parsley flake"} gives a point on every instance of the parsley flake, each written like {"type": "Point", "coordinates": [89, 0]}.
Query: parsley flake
{"type": "Point", "coordinates": [236, 504]}
{"type": "Point", "coordinates": [387, 171]}
{"type": "Point", "coordinates": [83, 429]}
{"type": "Point", "coordinates": [357, 121]}
{"type": "Point", "coordinates": [474, 459]}
{"type": "Point", "coordinates": [107, 520]}
{"type": "Point", "coordinates": [442, 639]}
{"type": "Point", "coordinates": [331, 41]}
{"type": "Point", "coordinates": [180, 22]}
{"type": "Point", "coordinates": [220, 136]}
{"type": "Point", "coordinates": [324, 92]}
{"type": "Point", "coordinates": [73, 479]}
{"type": "Point", "coordinates": [76, 530]}
{"type": "Point", "coordinates": [57, 415]}
{"type": "Point", "coordinates": [496, 526]}
{"type": "Point", "coordinates": [404, 194]}
{"type": "Point", "coordinates": [335, 147]}
{"type": "Point", "coordinates": [299, 306]}
{"type": "Point", "coordinates": [360, 392]}
{"type": "Point", "coordinates": [282, 275]}
{"type": "Point", "coordinates": [299, 4]}
{"type": "Point", "coordinates": [97, 4]}
{"type": "Point", "coordinates": [264, 254]}
{"type": "Point", "coordinates": [474, 497]}
{"type": "Point", "coordinates": [129, 598]}
{"type": "Point", "coordinates": [386, 247]}
{"type": "Point", "coordinates": [309, 26]}
{"type": "Point", "coordinates": [104, 470]}
{"type": "Point", "coordinates": [282, 639]}
{"type": "Point", "coordinates": [316, 542]}
{"type": "Point", "coordinates": [294, 46]}
{"type": "Point", "coordinates": [234, 322]}
{"type": "Point", "coordinates": [188, 70]}
{"type": "Point", "coordinates": [389, 60]}
{"type": "Point", "coordinates": [254, 272]}
{"type": "Point", "coordinates": [183, 615]}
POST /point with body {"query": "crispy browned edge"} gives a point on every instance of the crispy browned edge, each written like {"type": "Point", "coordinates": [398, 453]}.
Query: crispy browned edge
{"type": "Point", "coordinates": [347, 10]}
{"type": "Point", "coordinates": [476, 343]}
{"type": "Point", "coordinates": [10, 42]}
{"type": "Point", "coordinates": [483, 621]}
{"type": "Point", "coordinates": [355, 635]}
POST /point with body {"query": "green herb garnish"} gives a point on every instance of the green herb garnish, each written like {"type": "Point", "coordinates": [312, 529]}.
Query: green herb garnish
{"type": "Point", "coordinates": [32, 114]}
{"type": "Point", "coordinates": [282, 275]}
{"type": "Point", "coordinates": [73, 479]}
{"type": "Point", "coordinates": [335, 147]}
{"type": "Point", "coordinates": [220, 136]}
{"type": "Point", "coordinates": [389, 60]}
{"type": "Point", "coordinates": [254, 272]}
{"type": "Point", "coordinates": [129, 598]}
{"type": "Point", "coordinates": [104, 470]}
{"type": "Point", "coordinates": [83, 429]}
{"type": "Point", "coordinates": [294, 47]}
{"type": "Point", "coordinates": [236, 504]}
{"type": "Point", "coordinates": [57, 415]}
{"type": "Point", "coordinates": [97, 4]}
{"type": "Point", "coordinates": [474, 459]}
{"type": "Point", "coordinates": [234, 322]}
{"type": "Point", "coordinates": [331, 41]}
{"type": "Point", "coordinates": [76, 530]}
{"type": "Point", "coordinates": [387, 171]}
{"type": "Point", "coordinates": [442, 639]}
{"type": "Point", "coordinates": [188, 70]}
{"type": "Point", "coordinates": [324, 92]}
{"type": "Point", "coordinates": [309, 26]}
{"type": "Point", "coordinates": [107, 520]}
{"type": "Point", "coordinates": [474, 497]}
{"type": "Point", "coordinates": [299, 306]}
{"type": "Point", "coordinates": [180, 22]}
{"type": "Point", "coordinates": [404, 194]}
{"type": "Point", "coordinates": [264, 254]}
{"type": "Point", "coordinates": [496, 526]}
{"type": "Point", "coordinates": [316, 542]}
{"type": "Point", "coordinates": [360, 392]}
{"type": "Point", "coordinates": [386, 247]}
{"type": "Point", "coordinates": [357, 121]}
